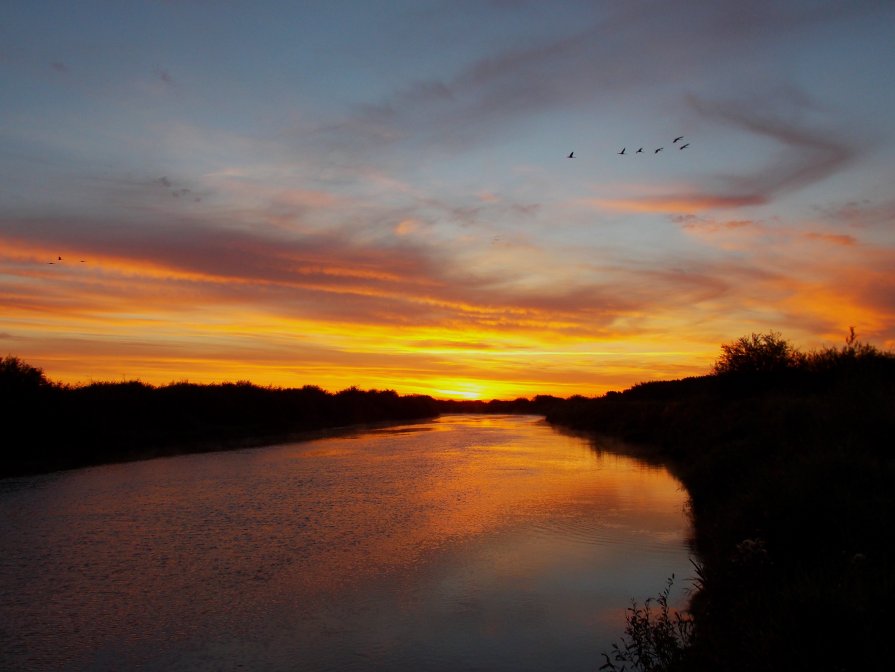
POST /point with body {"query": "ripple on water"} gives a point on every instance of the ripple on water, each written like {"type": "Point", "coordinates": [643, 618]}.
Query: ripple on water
{"type": "Point", "coordinates": [465, 542]}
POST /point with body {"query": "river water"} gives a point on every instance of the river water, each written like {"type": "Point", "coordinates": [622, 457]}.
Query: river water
{"type": "Point", "coordinates": [464, 543]}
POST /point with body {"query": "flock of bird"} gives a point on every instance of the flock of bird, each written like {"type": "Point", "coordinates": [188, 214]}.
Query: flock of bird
{"type": "Point", "coordinates": [640, 151]}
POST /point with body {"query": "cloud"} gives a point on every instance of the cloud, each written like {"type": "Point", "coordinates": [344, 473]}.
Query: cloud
{"type": "Point", "coordinates": [747, 232]}
{"type": "Point", "coordinates": [861, 214]}
{"type": "Point", "coordinates": [812, 154]}
{"type": "Point", "coordinates": [680, 204]}
{"type": "Point", "coordinates": [703, 225]}
{"type": "Point", "coordinates": [408, 226]}
{"type": "Point", "coordinates": [611, 52]}
{"type": "Point", "coordinates": [833, 238]}
{"type": "Point", "coordinates": [450, 345]}
{"type": "Point", "coordinates": [179, 265]}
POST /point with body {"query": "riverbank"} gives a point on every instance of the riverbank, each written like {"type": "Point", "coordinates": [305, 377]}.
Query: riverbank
{"type": "Point", "coordinates": [50, 427]}
{"type": "Point", "coordinates": [792, 483]}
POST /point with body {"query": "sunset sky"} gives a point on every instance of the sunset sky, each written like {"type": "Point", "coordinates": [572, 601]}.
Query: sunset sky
{"type": "Point", "coordinates": [377, 194]}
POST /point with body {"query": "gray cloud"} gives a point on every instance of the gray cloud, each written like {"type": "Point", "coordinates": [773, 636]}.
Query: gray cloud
{"type": "Point", "coordinates": [811, 155]}
{"type": "Point", "coordinates": [864, 213]}
{"type": "Point", "coordinates": [622, 49]}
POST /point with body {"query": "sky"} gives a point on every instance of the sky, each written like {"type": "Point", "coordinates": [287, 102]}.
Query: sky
{"type": "Point", "coordinates": [378, 194]}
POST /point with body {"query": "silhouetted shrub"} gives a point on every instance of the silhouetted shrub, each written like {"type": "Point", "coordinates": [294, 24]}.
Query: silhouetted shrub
{"type": "Point", "coordinates": [757, 353]}
{"type": "Point", "coordinates": [17, 377]}
{"type": "Point", "coordinates": [654, 641]}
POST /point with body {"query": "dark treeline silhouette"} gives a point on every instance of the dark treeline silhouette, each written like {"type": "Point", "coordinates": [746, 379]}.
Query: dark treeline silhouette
{"type": "Point", "coordinates": [788, 460]}
{"type": "Point", "coordinates": [539, 405]}
{"type": "Point", "coordinates": [49, 426]}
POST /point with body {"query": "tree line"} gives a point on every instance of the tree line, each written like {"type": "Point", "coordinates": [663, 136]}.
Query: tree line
{"type": "Point", "coordinates": [50, 426]}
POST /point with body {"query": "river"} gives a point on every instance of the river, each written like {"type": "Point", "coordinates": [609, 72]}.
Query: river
{"type": "Point", "coordinates": [463, 543]}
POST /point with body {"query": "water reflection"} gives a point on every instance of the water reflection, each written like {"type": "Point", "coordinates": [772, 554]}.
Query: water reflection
{"type": "Point", "coordinates": [468, 542]}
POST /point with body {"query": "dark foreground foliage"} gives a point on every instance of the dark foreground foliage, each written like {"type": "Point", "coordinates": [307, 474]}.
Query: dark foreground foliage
{"type": "Point", "coordinates": [655, 639]}
{"type": "Point", "coordinates": [49, 426]}
{"type": "Point", "coordinates": [788, 460]}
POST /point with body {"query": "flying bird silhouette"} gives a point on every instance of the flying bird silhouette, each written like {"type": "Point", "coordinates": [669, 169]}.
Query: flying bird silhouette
{"type": "Point", "coordinates": [684, 146]}
{"type": "Point", "coordinates": [59, 258]}
{"type": "Point", "coordinates": [680, 137]}
{"type": "Point", "coordinates": [623, 150]}
{"type": "Point", "coordinates": [571, 155]}
{"type": "Point", "coordinates": [658, 150]}
{"type": "Point", "coordinates": [639, 150]}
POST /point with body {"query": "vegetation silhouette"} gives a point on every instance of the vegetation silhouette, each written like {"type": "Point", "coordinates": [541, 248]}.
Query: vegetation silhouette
{"type": "Point", "coordinates": [52, 426]}
{"type": "Point", "coordinates": [654, 640]}
{"type": "Point", "coordinates": [788, 461]}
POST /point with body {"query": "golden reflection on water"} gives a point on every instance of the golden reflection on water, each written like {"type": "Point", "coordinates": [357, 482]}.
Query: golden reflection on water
{"type": "Point", "coordinates": [467, 540]}
{"type": "Point", "coordinates": [396, 503]}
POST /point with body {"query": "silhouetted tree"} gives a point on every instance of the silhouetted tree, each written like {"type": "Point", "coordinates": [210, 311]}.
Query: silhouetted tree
{"type": "Point", "coordinates": [758, 353]}
{"type": "Point", "coordinates": [17, 377]}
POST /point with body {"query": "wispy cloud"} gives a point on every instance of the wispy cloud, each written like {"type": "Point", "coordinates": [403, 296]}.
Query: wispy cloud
{"type": "Point", "coordinates": [806, 155]}
{"type": "Point", "coordinates": [812, 154]}
{"type": "Point", "coordinates": [833, 238]}
{"type": "Point", "coordinates": [603, 56]}
{"type": "Point", "coordinates": [679, 204]}
{"type": "Point", "coordinates": [745, 232]}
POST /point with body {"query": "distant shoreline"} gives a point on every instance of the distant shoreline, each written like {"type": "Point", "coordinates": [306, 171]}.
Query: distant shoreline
{"type": "Point", "coordinates": [53, 427]}
{"type": "Point", "coordinates": [226, 445]}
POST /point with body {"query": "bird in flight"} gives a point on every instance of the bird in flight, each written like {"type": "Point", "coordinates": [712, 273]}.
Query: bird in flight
{"type": "Point", "coordinates": [680, 137]}
{"type": "Point", "coordinates": [684, 146]}
{"type": "Point", "coordinates": [658, 150]}
{"type": "Point", "coordinates": [571, 155]}
{"type": "Point", "coordinates": [639, 150]}
{"type": "Point", "coordinates": [623, 150]}
{"type": "Point", "coordinates": [59, 258]}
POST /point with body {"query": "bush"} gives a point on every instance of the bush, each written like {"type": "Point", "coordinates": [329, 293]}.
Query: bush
{"type": "Point", "coordinates": [17, 377]}
{"type": "Point", "coordinates": [758, 353]}
{"type": "Point", "coordinates": [654, 641]}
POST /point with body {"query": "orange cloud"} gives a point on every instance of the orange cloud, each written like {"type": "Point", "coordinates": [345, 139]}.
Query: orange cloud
{"type": "Point", "coordinates": [678, 204]}
{"type": "Point", "coordinates": [834, 238]}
